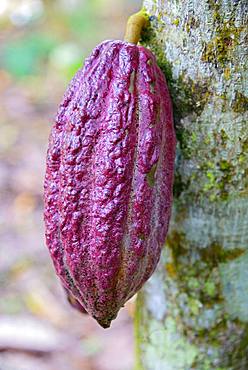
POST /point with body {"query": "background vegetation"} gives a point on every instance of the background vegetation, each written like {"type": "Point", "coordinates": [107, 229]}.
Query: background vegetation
{"type": "Point", "coordinates": [43, 43]}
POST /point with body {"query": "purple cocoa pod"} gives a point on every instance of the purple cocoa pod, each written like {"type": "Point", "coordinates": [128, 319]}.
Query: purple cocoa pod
{"type": "Point", "coordinates": [109, 175]}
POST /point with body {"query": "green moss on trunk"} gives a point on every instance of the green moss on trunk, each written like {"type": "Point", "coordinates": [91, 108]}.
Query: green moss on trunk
{"type": "Point", "coordinates": [192, 314]}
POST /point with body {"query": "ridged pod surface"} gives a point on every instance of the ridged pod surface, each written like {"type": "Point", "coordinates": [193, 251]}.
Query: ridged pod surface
{"type": "Point", "coordinates": [109, 175]}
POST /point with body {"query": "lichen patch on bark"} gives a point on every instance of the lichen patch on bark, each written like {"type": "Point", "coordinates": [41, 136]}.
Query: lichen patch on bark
{"type": "Point", "coordinates": [200, 46]}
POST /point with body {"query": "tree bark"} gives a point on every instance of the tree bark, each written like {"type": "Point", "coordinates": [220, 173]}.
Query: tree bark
{"type": "Point", "coordinates": [193, 312]}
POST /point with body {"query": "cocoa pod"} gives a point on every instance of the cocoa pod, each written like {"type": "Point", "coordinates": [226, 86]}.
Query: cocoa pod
{"type": "Point", "coordinates": [109, 175]}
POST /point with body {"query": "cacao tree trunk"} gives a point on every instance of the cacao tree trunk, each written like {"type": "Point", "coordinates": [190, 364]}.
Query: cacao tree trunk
{"type": "Point", "coordinates": [193, 312]}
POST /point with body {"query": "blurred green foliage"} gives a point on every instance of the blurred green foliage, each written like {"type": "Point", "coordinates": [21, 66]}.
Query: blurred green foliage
{"type": "Point", "coordinates": [83, 20]}
{"type": "Point", "coordinates": [23, 57]}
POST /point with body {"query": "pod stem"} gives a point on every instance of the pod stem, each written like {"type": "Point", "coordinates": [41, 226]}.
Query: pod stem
{"type": "Point", "coordinates": [136, 22]}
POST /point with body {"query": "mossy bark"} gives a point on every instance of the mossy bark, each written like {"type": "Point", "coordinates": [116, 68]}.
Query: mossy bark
{"type": "Point", "coordinates": [193, 312]}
